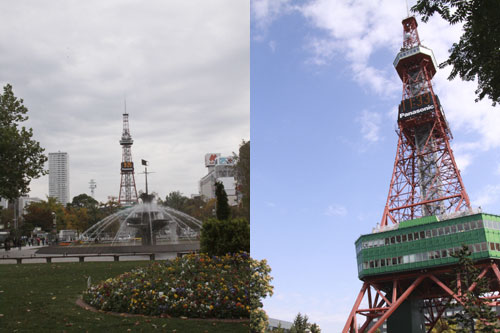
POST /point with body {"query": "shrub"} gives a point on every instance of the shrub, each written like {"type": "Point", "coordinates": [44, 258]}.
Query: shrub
{"type": "Point", "coordinates": [221, 237]}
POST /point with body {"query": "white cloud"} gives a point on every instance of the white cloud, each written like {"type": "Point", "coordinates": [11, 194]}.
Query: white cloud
{"type": "Point", "coordinates": [264, 12]}
{"type": "Point", "coordinates": [358, 31]}
{"type": "Point", "coordinates": [336, 210]}
{"type": "Point", "coordinates": [272, 46]}
{"type": "Point", "coordinates": [370, 125]}
{"type": "Point", "coordinates": [488, 196]}
{"type": "Point", "coordinates": [355, 29]}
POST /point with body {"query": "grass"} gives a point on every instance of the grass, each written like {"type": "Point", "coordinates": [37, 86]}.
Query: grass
{"type": "Point", "coordinates": [41, 298]}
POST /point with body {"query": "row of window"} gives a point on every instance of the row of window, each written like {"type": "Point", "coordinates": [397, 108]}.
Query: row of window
{"type": "Point", "coordinates": [424, 256]}
{"type": "Point", "coordinates": [430, 233]}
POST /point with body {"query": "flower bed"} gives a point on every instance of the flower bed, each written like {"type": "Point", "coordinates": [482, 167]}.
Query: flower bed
{"type": "Point", "coordinates": [196, 286]}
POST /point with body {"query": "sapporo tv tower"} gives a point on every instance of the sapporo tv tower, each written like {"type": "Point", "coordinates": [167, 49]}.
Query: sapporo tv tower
{"type": "Point", "coordinates": [406, 264]}
{"type": "Point", "coordinates": [128, 192]}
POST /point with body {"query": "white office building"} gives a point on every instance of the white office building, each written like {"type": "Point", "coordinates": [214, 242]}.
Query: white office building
{"type": "Point", "coordinates": [220, 169]}
{"type": "Point", "coordinates": [59, 176]}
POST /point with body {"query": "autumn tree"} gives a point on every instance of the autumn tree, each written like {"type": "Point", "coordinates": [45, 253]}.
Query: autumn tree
{"type": "Point", "coordinates": [41, 214]}
{"type": "Point", "coordinates": [476, 55]}
{"type": "Point", "coordinates": [21, 157]}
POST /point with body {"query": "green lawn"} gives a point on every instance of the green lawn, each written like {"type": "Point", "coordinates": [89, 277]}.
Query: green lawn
{"type": "Point", "coordinates": [41, 298]}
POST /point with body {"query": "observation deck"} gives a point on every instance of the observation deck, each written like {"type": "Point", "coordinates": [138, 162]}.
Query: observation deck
{"type": "Point", "coordinates": [427, 242]}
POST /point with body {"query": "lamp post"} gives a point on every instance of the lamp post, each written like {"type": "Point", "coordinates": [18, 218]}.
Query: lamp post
{"type": "Point", "coordinates": [54, 226]}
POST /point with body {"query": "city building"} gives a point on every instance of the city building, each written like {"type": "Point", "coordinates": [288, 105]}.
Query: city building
{"type": "Point", "coordinates": [220, 169]}
{"type": "Point", "coordinates": [275, 324]}
{"type": "Point", "coordinates": [59, 176]}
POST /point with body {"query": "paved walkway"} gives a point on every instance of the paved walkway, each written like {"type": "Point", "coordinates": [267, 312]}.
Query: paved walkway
{"type": "Point", "coordinates": [29, 252]}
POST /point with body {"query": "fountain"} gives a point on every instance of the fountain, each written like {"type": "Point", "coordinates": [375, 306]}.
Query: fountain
{"type": "Point", "coordinates": [147, 227]}
{"type": "Point", "coordinates": [146, 223]}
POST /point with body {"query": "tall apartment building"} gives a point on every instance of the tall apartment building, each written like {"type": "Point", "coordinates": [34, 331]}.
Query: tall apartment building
{"type": "Point", "coordinates": [59, 177]}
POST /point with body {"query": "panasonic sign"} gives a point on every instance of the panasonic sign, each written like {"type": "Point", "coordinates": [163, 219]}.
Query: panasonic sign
{"type": "Point", "coordinates": [416, 112]}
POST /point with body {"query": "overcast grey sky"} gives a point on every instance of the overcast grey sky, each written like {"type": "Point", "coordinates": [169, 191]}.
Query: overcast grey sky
{"type": "Point", "coordinates": [182, 65]}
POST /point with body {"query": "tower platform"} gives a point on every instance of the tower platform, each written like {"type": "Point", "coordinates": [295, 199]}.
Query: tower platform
{"type": "Point", "coordinates": [427, 242]}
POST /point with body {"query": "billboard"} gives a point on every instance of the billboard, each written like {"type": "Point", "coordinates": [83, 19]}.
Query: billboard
{"type": "Point", "coordinates": [127, 166]}
{"type": "Point", "coordinates": [228, 160]}
{"type": "Point", "coordinates": [211, 159]}
{"type": "Point", "coordinates": [416, 106]}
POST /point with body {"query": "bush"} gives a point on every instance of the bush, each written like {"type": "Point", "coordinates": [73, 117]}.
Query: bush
{"type": "Point", "coordinates": [221, 237]}
{"type": "Point", "coordinates": [192, 286]}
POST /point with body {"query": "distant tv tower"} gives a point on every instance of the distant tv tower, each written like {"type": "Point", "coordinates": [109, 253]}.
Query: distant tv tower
{"type": "Point", "coordinates": [92, 186]}
{"type": "Point", "coordinates": [128, 192]}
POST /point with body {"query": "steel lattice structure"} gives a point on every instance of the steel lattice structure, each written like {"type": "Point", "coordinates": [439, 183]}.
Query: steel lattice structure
{"type": "Point", "coordinates": [384, 296]}
{"type": "Point", "coordinates": [426, 180]}
{"type": "Point", "coordinates": [408, 267]}
{"type": "Point", "coordinates": [128, 191]}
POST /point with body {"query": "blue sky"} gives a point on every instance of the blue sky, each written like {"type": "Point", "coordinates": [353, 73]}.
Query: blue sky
{"type": "Point", "coordinates": [323, 102]}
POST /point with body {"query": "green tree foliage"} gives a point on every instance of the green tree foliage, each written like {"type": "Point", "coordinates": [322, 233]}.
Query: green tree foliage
{"type": "Point", "coordinates": [477, 54]}
{"type": "Point", "coordinates": [221, 237]}
{"type": "Point", "coordinates": [88, 208]}
{"type": "Point", "coordinates": [222, 209]}
{"type": "Point", "coordinates": [194, 207]}
{"type": "Point", "coordinates": [84, 201]}
{"type": "Point", "coordinates": [474, 314]}
{"type": "Point", "coordinates": [176, 200]}
{"type": "Point", "coordinates": [6, 217]}
{"type": "Point", "coordinates": [444, 326]}
{"type": "Point", "coordinates": [301, 325]}
{"type": "Point", "coordinates": [21, 158]}
{"type": "Point", "coordinates": [243, 180]}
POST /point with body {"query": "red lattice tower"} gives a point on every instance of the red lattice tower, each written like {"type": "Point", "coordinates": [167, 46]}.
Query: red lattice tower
{"type": "Point", "coordinates": [128, 192]}
{"type": "Point", "coordinates": [426, 180]}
